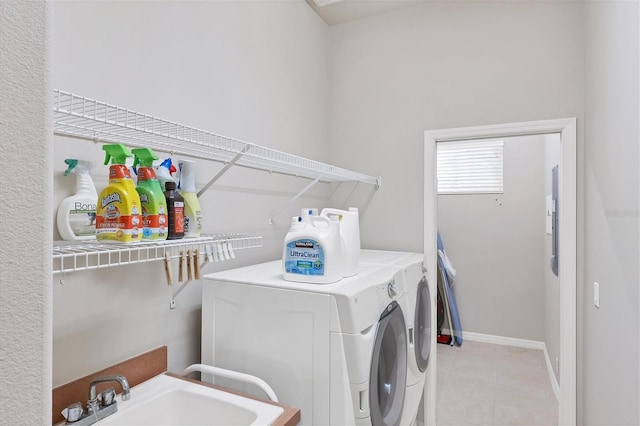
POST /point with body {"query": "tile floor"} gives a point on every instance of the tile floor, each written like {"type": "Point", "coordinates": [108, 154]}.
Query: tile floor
{"type": "Point", "coordinates": [486, 384]}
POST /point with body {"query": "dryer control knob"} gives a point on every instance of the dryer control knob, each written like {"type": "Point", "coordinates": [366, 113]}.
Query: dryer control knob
{"type": "Point", "coordinates": [391, 289]}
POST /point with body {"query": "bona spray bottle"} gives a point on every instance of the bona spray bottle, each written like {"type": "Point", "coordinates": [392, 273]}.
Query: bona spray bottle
{"type": "Point", "coordinates": [77, 214]}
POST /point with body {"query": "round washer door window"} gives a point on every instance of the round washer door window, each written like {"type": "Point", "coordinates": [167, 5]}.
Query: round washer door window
{"type": "Point", "coordinates": [423, 325]}
{"type": "Point", "coordinates": [388, 377]}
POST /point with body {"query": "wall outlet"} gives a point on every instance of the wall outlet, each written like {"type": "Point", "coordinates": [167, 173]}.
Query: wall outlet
{"type": "Point", "coordinates": [596, 295]}
{"type": "Point", "coordinates": [557, 366]}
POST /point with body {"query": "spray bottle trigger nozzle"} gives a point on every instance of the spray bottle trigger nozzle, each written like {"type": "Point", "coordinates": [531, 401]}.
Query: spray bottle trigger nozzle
{"type": "Point", "coordinates": [72, 163]}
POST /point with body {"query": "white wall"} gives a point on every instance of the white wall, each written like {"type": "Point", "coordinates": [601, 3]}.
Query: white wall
{"type": "Point", "coordinates": [496, 244]}
{"type": "Point", "coordinates": [25, 228]}
{"type": "Point", "coordinates": [611, 349]}
{"type": "Point", "coordinates": [551, 281]}
{"type": "Point", "coordinates": [251, 70]}
{"type": "Point", "coordinates": [441, 65]}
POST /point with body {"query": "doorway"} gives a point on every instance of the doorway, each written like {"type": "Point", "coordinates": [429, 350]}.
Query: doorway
{"type": "Point", "coordinates": [567, 181]}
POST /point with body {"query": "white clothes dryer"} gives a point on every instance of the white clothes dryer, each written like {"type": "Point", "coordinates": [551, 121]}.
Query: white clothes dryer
{"type": "Point", "coordinates": [336, 351]}
{"type": "Point", "coordinates": [419, 316]}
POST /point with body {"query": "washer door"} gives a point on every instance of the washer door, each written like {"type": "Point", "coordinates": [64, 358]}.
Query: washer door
{"type": "Point", "coordinates": [423, 325]}
{"type": "Point", "coordinates": [388, 377]}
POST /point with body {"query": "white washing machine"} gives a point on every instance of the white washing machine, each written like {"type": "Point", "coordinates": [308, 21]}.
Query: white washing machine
{"type": "Point", "coordinates": [336, 351]}
{"type": "Point", "coordinates": [419, 316]}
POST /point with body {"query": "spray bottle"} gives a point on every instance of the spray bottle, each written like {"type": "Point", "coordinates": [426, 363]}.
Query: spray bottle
{"type": "Point", "coordinates": [77, 213]}
{"type": "Point", "coordinates": [192, 210]}
{"type": "Point", "coordinates": [154, 205]}
{"type": "Point", "coordinates": [118, 211]}
{"type": "Point", "coordinates": [164, 172]}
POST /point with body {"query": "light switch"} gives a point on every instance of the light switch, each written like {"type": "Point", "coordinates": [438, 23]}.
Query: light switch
{"type": "Point", "coordinates": [596, 295]}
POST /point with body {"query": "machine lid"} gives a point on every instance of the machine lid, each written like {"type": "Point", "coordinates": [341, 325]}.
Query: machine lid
{"type": "Point", "coordinates": [387, 380]}
{"type": "Point", "coordinates": [423, 325]}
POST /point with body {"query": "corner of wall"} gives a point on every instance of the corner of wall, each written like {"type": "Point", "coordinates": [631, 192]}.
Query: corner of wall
{"type": "Point", "coordinates": [26, 316]}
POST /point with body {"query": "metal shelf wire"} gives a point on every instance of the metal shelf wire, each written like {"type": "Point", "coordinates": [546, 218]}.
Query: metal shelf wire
{"type": "Point", "coordinates": [78, 116]}
{"type": "Point", "coordinates": [80, 256]}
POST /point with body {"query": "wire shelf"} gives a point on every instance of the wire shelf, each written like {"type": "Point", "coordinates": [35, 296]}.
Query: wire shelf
{"type": "Point", "coordinates": [80, 256]}
{"type": "Point", "coordinates": [78, 116]}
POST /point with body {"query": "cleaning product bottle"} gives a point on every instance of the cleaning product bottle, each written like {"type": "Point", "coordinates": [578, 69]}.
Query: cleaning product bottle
{"type": "Point", "coordinates": [192, 210]}
{"type": "Point", "coordinates": [118, 211]}
{"type": "Point", "coordinates": [164, 172]}
{"type": "Point", "coordinates": [154, 205]}
{"type": "Point", "coordinates": [77, 213]}
{"type": "Point", "coordinates": [175, 211]}
{"type": "Point", "coordinates": [350, 235]}
{"type": "Point", "coordinates": [312, 251]}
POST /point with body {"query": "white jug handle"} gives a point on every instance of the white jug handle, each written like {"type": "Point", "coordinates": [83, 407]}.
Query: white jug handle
{"type": "Point", "coordinates": [327, 211]}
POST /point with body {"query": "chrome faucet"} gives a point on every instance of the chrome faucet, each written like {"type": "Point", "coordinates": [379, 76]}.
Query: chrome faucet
{"type": "Point", "coordinates": [98, 406]}
{"type": "Point", "coordinates": [116, 378]}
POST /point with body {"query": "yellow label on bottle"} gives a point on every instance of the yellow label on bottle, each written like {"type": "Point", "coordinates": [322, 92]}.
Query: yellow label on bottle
{"type": "Point", "coordinates": [118, 214]}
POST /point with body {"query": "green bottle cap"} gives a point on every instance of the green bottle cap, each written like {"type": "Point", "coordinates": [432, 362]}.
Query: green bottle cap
{"type": "Point", "coordinates": [144, 157]}
{"type": "Point", "coordinates": [79, 166]}
{"type": "Point", "coordinates": [117, 153]}
{"type": "Point", "coordinates": [72, 163]}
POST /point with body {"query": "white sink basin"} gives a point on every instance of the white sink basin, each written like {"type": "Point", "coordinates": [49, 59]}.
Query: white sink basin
{"type": "Point", "coordinates": [166, 400]}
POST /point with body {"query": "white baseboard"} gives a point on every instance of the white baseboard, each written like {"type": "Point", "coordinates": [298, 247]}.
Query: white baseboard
{"type": "Point", "coordinates": [500, 340]}
{"type": "Point", "coordinates": [552, 376]}
{"type": "Point", "coordinates": [519, 343]}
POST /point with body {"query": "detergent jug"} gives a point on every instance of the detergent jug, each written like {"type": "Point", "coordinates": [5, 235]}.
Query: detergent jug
{"type": "Point", "coordinates": [312, 251]}
{"type": "Point", "coordinates": [350, 236]}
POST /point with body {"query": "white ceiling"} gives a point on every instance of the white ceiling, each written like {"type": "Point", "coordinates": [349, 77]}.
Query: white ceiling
{"type": "Point", "coordinates": [335, 12]}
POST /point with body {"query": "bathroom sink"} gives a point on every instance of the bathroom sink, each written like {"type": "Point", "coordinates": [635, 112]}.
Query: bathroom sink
{"type": "Point", "coordinates": [167, 400]}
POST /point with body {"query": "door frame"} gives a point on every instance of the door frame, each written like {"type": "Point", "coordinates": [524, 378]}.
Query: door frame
{"type": "Point", "coordinates": [567, 184]}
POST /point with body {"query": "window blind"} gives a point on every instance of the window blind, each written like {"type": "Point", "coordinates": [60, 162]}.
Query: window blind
{"type": "Point", "coordinates": [470, 167]}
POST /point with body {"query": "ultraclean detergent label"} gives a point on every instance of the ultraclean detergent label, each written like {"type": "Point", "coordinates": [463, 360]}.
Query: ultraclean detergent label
{"type": "Point", "coordinates": [304, 257]}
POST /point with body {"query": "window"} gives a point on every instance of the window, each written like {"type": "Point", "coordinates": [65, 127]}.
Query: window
{"type": "Point", "coordinates": [470, 167]}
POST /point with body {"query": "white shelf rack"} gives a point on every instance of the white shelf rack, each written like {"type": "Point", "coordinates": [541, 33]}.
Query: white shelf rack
{"type": "Point", "coordinates": [80, 256]}
{"type": "Point", "coordinates": [81, 117]}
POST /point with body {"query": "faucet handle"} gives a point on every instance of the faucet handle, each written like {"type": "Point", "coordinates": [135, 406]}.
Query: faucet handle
{"type": "Point", "coordinates": [107, 397]}
{"type": "Point", "coordinates": [73, 412]}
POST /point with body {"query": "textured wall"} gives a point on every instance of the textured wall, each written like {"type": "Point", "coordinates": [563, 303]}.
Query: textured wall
{"type": "Point", "coordinates": [25, 225]}
{"type": "Point", "coordinates": [496, 244]}
{"type": "Point", "coordinates": [611, 348]}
